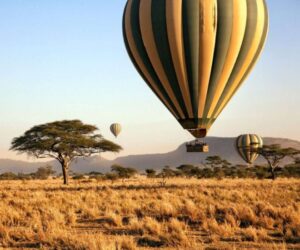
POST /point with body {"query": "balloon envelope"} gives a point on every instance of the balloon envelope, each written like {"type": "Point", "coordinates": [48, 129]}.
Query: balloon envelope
{"type": "Point", "coordinates": [115, 128]}
{"type": "Point", "coordinates": [247, 146]}
{"type": "Point", "coordinates": [195, 54]}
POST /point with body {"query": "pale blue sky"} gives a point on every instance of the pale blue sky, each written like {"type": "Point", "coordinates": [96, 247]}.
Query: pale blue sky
{"type": "Point", "coordinates": [65, 59]}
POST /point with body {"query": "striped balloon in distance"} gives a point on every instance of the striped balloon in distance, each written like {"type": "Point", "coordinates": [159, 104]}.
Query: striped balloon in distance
{"type": "Point", "coordinates": [115, 128]}
{"type": "Point", "coordinates": [247, 146]}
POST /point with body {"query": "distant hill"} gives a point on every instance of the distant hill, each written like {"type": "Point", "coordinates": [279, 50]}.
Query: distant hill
{"type": "Point", "coordinates": [7, 165]}
{"type": "Point", "coordinates": [223, 147]}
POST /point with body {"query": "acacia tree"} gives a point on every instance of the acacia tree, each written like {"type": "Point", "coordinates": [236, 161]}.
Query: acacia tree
{"type": "Point", "coordinates": [64, 141]}
{"type": "Point", "coordinates": [216, 161]}
{"type": "Point", "coordinates": [274, 154]}
{"type": "Point", "coordinates": [188, 170]}
{"type": "Point", "coordinates": [44, 172]}
{"type": "Point", "coordinates": [151, 173]}
{"type": "Point", "coordinates": [122, 172]}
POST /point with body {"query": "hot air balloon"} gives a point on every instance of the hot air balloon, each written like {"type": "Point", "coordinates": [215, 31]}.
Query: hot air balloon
{"type": "Point", "coordinates": [115, 128]}
{"type": "Point", "coordinates": [247, 146]}
{"type": "Point", "coordinates": [195, 54]}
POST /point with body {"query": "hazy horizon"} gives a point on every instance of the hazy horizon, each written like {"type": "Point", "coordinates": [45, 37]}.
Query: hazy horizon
{"type": "Point", "coordinates": [68, 61]}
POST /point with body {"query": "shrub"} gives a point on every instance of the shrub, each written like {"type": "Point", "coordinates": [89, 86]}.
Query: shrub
{"type": "Point", "coordinates": [123, 172]}
{"type": "Point", "coordinates": [151, 173]}
{"type": "Point", "coordinates": [78, 177]}
{"type": "Point", "coordinates": [43, 173]}
{"type": "Point", "coordinates": [8, 176]}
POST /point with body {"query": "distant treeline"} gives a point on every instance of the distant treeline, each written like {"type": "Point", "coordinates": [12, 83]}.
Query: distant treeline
{"type": "Point", "coordinates": [238, 171]}
{"type": "Point", "coordinates": [214, 167]}
{"type": "Point", "coordinates": [42, 173]}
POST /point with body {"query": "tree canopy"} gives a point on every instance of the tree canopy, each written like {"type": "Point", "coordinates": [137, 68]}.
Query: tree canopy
{"type": "Point", "coordinates": [216, 161]}
{"type": "Point", "coordinates": [123, 172]}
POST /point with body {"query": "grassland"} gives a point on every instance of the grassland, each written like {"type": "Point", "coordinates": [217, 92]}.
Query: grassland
{"type": "Point", "coordinates": [143, 214]}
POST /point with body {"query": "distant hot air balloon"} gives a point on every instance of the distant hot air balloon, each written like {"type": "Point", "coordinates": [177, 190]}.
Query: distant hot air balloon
{"type": "Point", "coordinates": [195, 54]}
{"type": "Point", "coordinates": [115, 128]}
{"type": "Point", "coordinates": [247, 146]}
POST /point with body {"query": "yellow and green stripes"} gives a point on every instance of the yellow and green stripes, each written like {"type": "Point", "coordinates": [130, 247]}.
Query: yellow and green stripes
{"type": "Point", "coordinates": [195, 54]}
{"type": "Point", "coordinates": [116, 128]}
{"type": "Point", "coordinates": [247, 145]}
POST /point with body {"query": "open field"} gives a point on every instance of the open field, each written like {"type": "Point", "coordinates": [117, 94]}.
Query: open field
{"type": "Point", "coordinates": [143, 214]}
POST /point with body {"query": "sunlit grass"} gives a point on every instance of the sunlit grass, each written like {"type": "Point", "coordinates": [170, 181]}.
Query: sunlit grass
{"type": "Point", "coordinates": [185, 213]}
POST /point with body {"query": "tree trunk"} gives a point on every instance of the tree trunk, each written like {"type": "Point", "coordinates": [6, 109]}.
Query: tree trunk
{"type": "Point", "coordinates": [273, 173]}
{"type": "Point", "coordinates": [65, 170]}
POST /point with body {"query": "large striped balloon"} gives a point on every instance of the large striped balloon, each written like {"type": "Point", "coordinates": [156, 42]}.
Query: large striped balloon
{"type": "Point", "coordinates": [247, 146]}
{"type": "Point", "coordinates": [115, 128]}
{"type": "Point", "coordinates": [195, 54]}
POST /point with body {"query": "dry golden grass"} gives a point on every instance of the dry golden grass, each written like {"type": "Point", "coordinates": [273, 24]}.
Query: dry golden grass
{"type": "Point", "coordinates": [143, 214]}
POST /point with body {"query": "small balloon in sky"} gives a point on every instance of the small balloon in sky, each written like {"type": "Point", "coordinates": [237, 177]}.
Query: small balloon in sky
{"type": "Point", "coordinates": [115, 128]}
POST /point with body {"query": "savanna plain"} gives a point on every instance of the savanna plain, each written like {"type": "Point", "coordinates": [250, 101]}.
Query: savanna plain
{"type": "Point", "coordinates": [149, 214]}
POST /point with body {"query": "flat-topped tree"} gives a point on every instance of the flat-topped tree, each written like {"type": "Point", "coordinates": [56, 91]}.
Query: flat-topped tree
{"type": "Point", "coordinates": [188, 170]}
{"type": "Point", "coordinates": [216, 161]}
{"type": "Point", "coordinates": [274, 154]}
{"type": "Point", "coordinates": [151, 173]}
{"type": "Point", "coordinates": [123, 172]}
{"type": "Point", "coordinates": [64, 141]}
